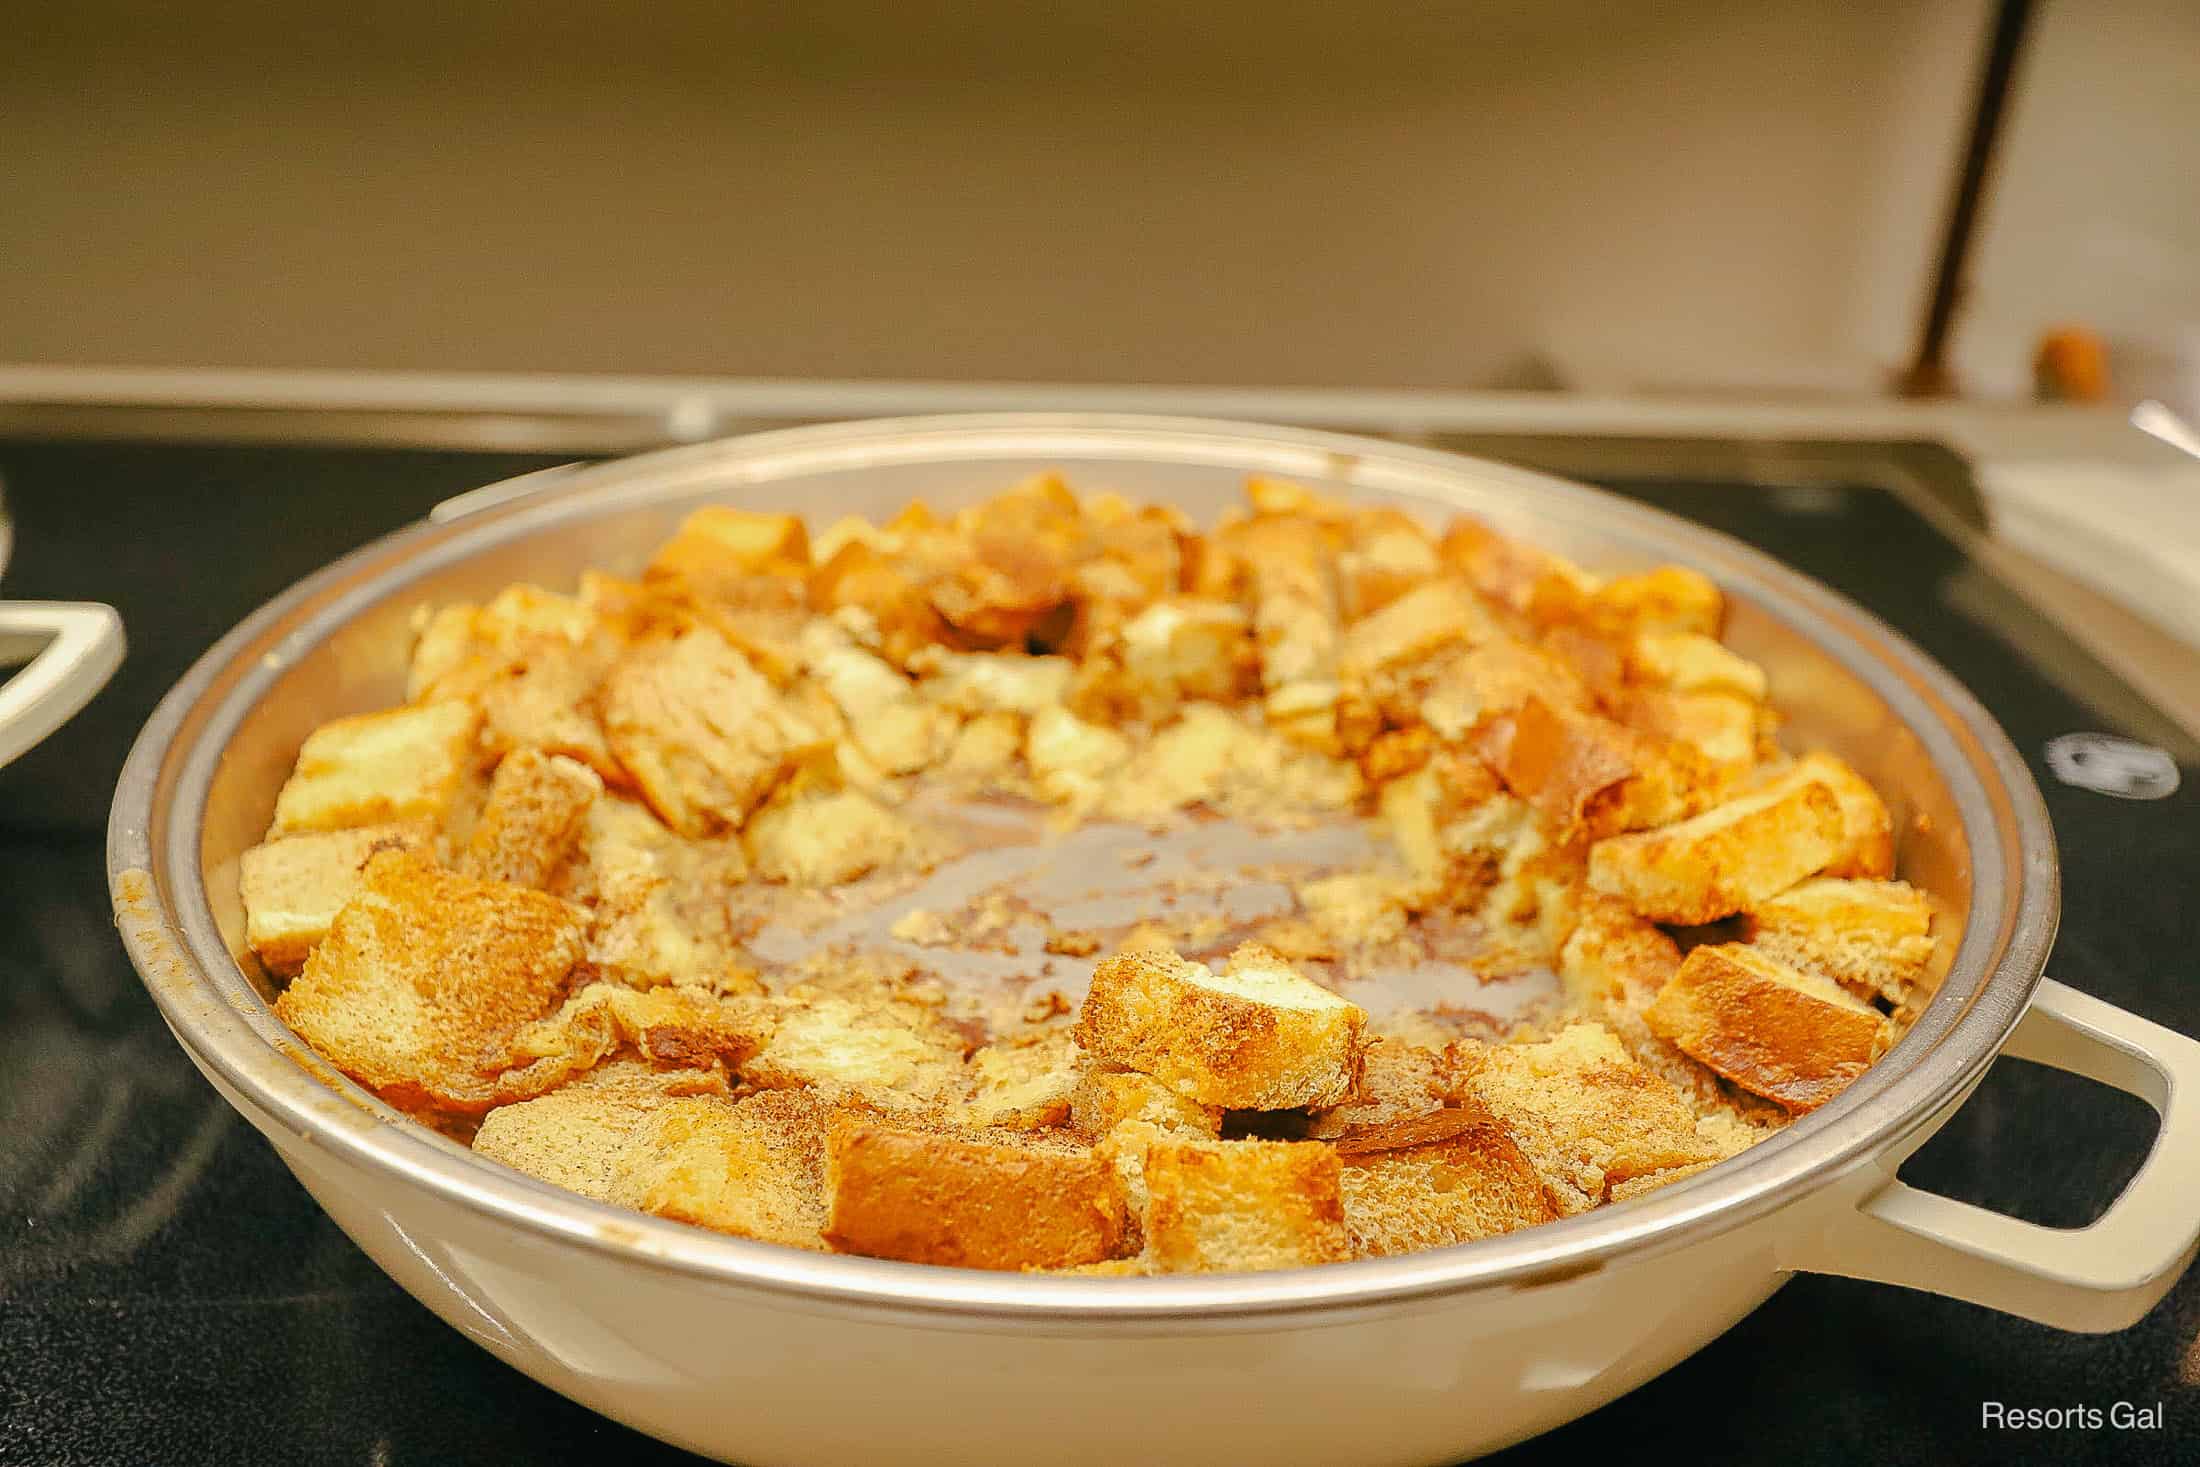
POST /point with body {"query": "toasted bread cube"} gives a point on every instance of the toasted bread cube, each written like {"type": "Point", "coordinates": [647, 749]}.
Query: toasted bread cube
{"type": "Point", "coordinates": [867, 577]}
{"type": "Point", "coordinates": [1585, 1113]}
{"type": "Point", "coordinates": [1723, 728]}
{"type": "Point", "coordinates": [754, 1167]}
{"type": "Point", "coordinates": [445, 640]}
{"type": "Point", "coordinates": [1105, 1099]}
{"type": "Point", "coordinates": [1255, 1036]}
{"type": "Point", "coordinates": [1189, 647]}
{"type": "Point", "coordinates": [812, 834]}
{"type": "Point", "coordinates": [1453, 822]}
{"type": "Point", "coordinates": [702, 732]}
{"type": "Point", "coordinates": [974, 683]}
{"type": "Point", "coordinates": [533, 662]}
{"type": "Point", "coordinates": [405, 764]}
{"type": "Point", "coordinates": [1389, 558]}
{"type": "Point", "coordinates": [659, 916]}
{"type": "Point", "coordinates": [1423, 622]}
{"type": "Point", "coordinates": [1022, 1087]}
{"type": "Point", "coordinates": [1669, 599]}
{"type": "Point", "coordinates": [1467, 1180]}
{"type": "Point", "coordinates": [1494, 678]}
{"type": "Point", "coordinates": [1401, 1082]}
{"type": "Point", "coordinates": [1291, 562]}
{"type": "Point", "coordinates": [718, 543]}
{"type": "Point", "coordinates": [1071, 759]}
{"type": "Point", "coordinates": [1242, 1205]}
{"type": "Point", "coordinates": [423, 976]}
{"type": "Point", "coordinates": [1873, 937]}
{"type": "Point", "coordinates": [1867, 830]}
{"type": "Point", "coordinates": [1689, 662]}
{"type": "Point", "coordinates": [896, 730]}
{"type": "Point", "coordinates": [294, 887]}
{"type": "Point", "coordinates": [890, 1055]}
{"type": "Point", "coordinates": [1726, 860]}
{"type": "Point", "coordinates": [925, 1197]}
{"type": "Point", "coordinates": [572, 1136]}
{"type": "Point", "coordinates": [534, 819]}
{"type": "Point", "coordinates": [1571, 766]}
{"type": "Point", "coordinates": [1782, 1032]}
{"type": "Point", "coordinates": [1532, 582]}
{"type": "Point", "coordinates": [1612, 952]}
{"type": "Point", "coordinates": [671, 1027]}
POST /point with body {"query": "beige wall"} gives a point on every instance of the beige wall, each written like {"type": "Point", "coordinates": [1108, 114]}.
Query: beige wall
{"type": "Point", "coordinates": [1294, 192]}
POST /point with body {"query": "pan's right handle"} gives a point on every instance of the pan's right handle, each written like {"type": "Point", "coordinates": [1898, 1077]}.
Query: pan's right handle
{"type": "Point", "coordinates": [71, 648]}
{"type": "Point", "coordinates": [2100, 1277]}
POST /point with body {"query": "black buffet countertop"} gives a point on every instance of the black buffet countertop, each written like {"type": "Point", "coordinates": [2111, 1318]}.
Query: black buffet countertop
{"type": "Point", "coordinates": [169, 1295]}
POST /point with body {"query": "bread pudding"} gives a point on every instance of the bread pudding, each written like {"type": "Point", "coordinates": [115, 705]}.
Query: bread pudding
{"type": "Point", "coordinates": [1062, 885]}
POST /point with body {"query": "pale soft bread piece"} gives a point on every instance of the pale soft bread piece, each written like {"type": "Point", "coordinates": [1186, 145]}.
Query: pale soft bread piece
{"type": "Point", "coordinates": [753, 1167]}
{"type": "Point", "coordinates": [404, 764]}
{"type": "Point", "coordinates": [572, 1137]}
{"type": "Point", "coordinates": [1255, 1036]}
{"type": "Point", "coordinates": [1400, 1082]}
{"type": "Point", "coordinates": [424, 976]}
{"type": "Point", "coordinates": [974, 683]}
{"type": "Point", "coordinates": [1104, 1099]}
{"type": "Point", "coordinates": [1585, 1113]}
{"type": "Point", "coordinates": [1453, 822]}
{"type": "Point", "coordinates": [820, 833]}
{"type": "Point", "coordinates": [1290, 563]}
{"type": "Point", "coordinates": [703, 733]}
{"type": "Point", "coordinates": [891, 1055]}
{"type": "Point", "coordinates": [1427, 620]}
{"type": "Point", "coordinates": [1611, 951]}
{"type": "Point", "coordinates": [1237, 1206]}
{"type": "Point", "coordinates": [1867, 829]}
{"type": "Point", "coordinates": [897, 730]}
{"type": "Point", "coordinates": [1726, 860]}
{"type": "Point", "coordinates": [926, 1197]}
{"type": "Point", "coordinates": [1873, 937]}
{"type": "Point", "coordinates": [532, 662]}
{"type": "Point", "coordinates": [1451, 1177]}
{"type": "Point", "coordinates": [1785, 1033]}
{"type": "Point", "coordinates": [1023, 1086]}
{"type": "Point", "coordinates": [659, 914]}
{"type": "Point", "coordinates": [1070, 759]}
{"type": "Point", "coordinates": [1390, 556]}
{"type": "Point", "coordinates": [671, 1027]}
{"type": "Point", "coordinates": [293, 887]}
{"type": "Point", "coordinates": [1188, 647]}
{"type": "Point", "coordinates": [1690, 662]}
{"type": "Point", "coordinates": [534, 818]}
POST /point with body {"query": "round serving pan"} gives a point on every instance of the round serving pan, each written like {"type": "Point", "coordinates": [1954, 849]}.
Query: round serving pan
{"type": "Point", "coordinates": [771, 1355]}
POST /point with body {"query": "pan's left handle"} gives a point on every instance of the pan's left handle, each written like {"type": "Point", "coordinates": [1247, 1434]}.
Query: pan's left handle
{"type": "Point", "coordinates": [71, 648]}
{"type": "Point", "coordinates": [2100, 1277]}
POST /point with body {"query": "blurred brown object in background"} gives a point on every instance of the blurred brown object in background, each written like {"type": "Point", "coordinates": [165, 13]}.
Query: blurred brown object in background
{"type": "Point", "coordinates": [2071, 366]}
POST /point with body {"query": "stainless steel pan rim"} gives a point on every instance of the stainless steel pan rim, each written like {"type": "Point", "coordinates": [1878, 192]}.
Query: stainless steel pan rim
{"type": "Point", "coordinates": [167, 922]}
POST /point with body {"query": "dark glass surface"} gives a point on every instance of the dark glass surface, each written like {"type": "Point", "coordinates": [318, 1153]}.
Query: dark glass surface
{"type": "Point", "coordinates": [168, 1294]}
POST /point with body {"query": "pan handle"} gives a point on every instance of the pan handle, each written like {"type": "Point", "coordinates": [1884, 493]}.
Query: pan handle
{"type": "Point", "coordinates": [2100, 1277]}
{"type": "Point", "coordinates": [71, 648]}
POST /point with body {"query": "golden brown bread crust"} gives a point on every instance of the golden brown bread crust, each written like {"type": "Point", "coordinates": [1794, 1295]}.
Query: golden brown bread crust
{"type": "Point", "coordinates": [1469, 1181]}
{"type": "Point", "coordinates": [753, 1167]}
{"type": "Point", "coordinates": [1725, 860]}
{"type": "Point", "coordinates": [376, 768]}
{"type": "Point", "coordinates": [536, 813]}
{"type": "Point", "coordinates": [1771, 1029]}
{"type": "Point", "coordinates": [1256, 1036]}
{"type": "Point", "coordinates": [1873, 937]}
{"type": "Point", "coordinates": [1243, 1205]}
{"type": "Point", "coordinates": [424, 976]}
{"type": "Point", "coordinates": [924, 1197]}
{"type": "Point", "coordinates": [294, 887]}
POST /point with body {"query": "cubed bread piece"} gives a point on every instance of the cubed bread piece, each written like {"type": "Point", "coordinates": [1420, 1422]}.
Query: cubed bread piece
{"type": "Point", "coordinates": [871, 579]}
{"type": "Point", "coordinates": [926, 1197]}
{"type": "Point", "coordinates": [891, 1055]}
{"type": "Point", "coordinates": [1188, 647]}
{"type": "Point", "coordinates": [1462, 690]}
{"type": "Point", "coordinates": [703, 733]}
{"type": "Point", "coordinates": [1022, 1086]}
{"type": "Point", "coordinates": [1643, 1186]}
{"type": "Point", "coordinates": [294, 887]}
{"type": "Point", "coordinates": [811, 833]}
{"type": "Point", "coordinates": [1401, 1082]}
{"type": "Point", "coordinates": [1729, 858]}
{"type": "Point", "coordinates": [1587, 1115]}
{"type": "Point", "coordinates": [897, 730]}
{"type": "Point", "coordinates": [1667, 599]}
{"type": "Point", "coordinates": [1874, 937]}
{"type": "Point", "coordinates": [425, 974]}
{"type": "Point", "coordinates": [660, 914]}
{"type": "Point", "coordinates": [1236, 1206]}
{"type": "Point", "coordinates": [753, 1167]}
{"type": "Point", "coordinates": [409, 763]}
{"type": "Point", "coordinates": [719, 543]}
{"type": "Point", "coordinates": [1430, 619]}
{"type": "Point", "coordinates": [1256, 1036]}
{"type": "Point", "coordinates": [1291, 563]}
{"type": "Point", "coordinates": [1867, 829]}
{"type": "Point", "coordinates": [1453, 822]}
{"type": "Point", "coordinates": [973, 683]}
{"type": "Point", "coordinates": [572, 1137]}
{"type": "Point", "coordinates": [1105, 1099]}
{"type": "Point", "coordinates": [534, 819]}
{"type": "Point", "coordinates": [1460, 1178]}
{"type": "Point", "coordinates": [1726, 730]}
{"type": "Point", "coordinates": [533, 662]}
{"type": "Point", "coordinates": [1071, 759]}
{"type": "Point", "coordinates": [1531, 582]}
{"type": "Point", "coordinates": [1611, 951]}
{"type": "Point", "coordinates": [1390, 556]}
{"type": "Point", "coordinates": [1571, 766]}
{"type": "Point", "coordinates": [1782, 1032]}
{"type": "Point", "coordinates": [1689, 662]}
{"type": "Point", "coordinates": [670, 1027]}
